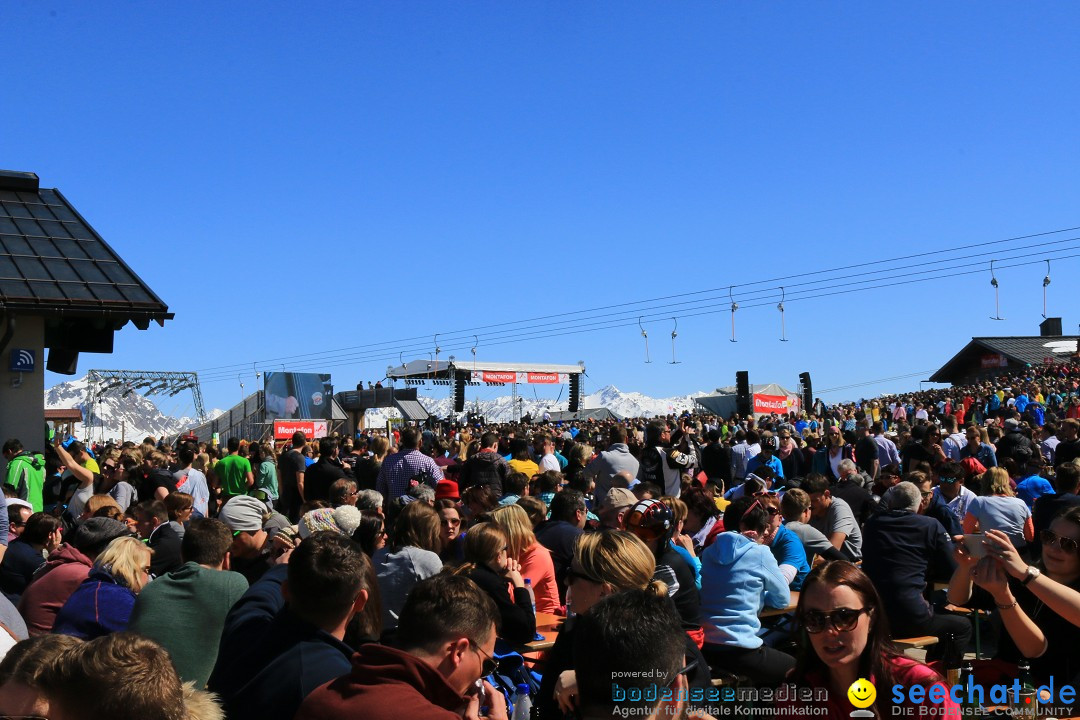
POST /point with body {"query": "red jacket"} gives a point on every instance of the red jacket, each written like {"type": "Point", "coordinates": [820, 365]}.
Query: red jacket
{"type": "Point", "coordinates": [385, 684]}
{"type": "Point", "coordinates": [54, 583]}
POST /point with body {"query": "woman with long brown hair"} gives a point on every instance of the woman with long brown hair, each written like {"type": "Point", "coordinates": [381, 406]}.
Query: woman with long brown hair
{"type": "Point", "coordinates": [411, 556]}
{"type": "Point", "coordinates": [844, 636]}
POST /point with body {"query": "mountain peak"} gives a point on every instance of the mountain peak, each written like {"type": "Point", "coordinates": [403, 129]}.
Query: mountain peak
{"type": "Point", "coordinates": [116, 416]}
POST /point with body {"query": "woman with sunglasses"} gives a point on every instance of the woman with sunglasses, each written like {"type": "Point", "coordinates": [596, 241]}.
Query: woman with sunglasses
{"type": "Point", "coordinates": [1039, 604]}
{"type": "Point", "coordinates": [845, 636]}
{"type": "Point", "coordinates": [452, 533]}
{"type": "Point", "coordinates": [604, 563]}
{"type": "Point", "coordinates": [827, 459]}
{"type": "Point", "coordinates": [740, 577]}
{"type": "Point", "coordinates": [785, 545]}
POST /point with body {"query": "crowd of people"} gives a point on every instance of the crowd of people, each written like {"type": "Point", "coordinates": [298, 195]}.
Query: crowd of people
{"type": "Point", "coordinates": [398, 575]}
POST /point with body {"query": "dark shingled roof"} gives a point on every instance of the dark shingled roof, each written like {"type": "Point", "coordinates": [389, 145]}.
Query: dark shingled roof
{"type": "Point", "coordinates": [52, 261]}
{"type": "Point", "coordinates": [1019, 351]}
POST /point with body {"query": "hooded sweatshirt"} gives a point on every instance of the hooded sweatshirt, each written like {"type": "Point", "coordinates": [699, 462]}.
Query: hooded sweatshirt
{"type": "Point", "coordinates": [26, 473]}
{"type": "Point", "coordinates": [385, 684]}
{"type": "Point", "coordinates": [64, 571]}
{"type": "Point", "coordinates": [739, 577]}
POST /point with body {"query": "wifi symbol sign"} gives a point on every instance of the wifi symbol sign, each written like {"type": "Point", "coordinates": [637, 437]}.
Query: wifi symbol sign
{"type": "Point", "coordinates": [22, 360]}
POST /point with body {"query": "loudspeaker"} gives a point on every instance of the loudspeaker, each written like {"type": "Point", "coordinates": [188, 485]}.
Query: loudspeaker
{"type": "Point", "coordinates": [743, 404]}
{"type": "Point", "coordinates": [807, 391]}
{"type": "Point", "coordinates": [62, 361]}
{"type": "Point", "coordinates": [575, 392]}
{"type": "Point", "coordinates": [459, 395]}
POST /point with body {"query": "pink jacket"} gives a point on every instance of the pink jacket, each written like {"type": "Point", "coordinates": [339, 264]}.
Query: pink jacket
{"type": "Point", "coordinates": [536, 566]}
{"type": "Point", "coordinates": [64, 571]}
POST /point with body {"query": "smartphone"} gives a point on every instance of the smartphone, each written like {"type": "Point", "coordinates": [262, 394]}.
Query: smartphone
{"type": "Point", "coordinates": [974, 545]}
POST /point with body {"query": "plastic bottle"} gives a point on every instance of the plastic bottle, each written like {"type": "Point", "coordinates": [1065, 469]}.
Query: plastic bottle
{"type": "Point", "coordinates": [532, 595]}
{"type": "Point", "coordinates": [522, 703]}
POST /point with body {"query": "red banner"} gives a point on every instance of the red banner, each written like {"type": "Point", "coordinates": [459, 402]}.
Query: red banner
{"type": "Point", "coordinates": [522, 378]}
{"type": "Point", "coordinates": [499, 376]}
{"type": "Point", "coordinates": [284, 429]}
{"type": "Point", "coordinates": [994, 360]}
{"type": "Point", "coordinates": [767, 404]}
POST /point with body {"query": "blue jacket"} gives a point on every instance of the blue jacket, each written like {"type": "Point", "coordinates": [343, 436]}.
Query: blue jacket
{"type": "Point", "coordinates": [692, 560]}
{"type": "Point", "coordinates": [739, 577]}
{"type": "Point", "coordinates": [277, 691]}
{"type": "Point", "coordinates": [774, 464]}
{"type": "Point", "coordinates": [788, 549]}
{"type": "Point", "coordinates": [99, 606]}
{"type": "Point", "coordinates": [245, 629]}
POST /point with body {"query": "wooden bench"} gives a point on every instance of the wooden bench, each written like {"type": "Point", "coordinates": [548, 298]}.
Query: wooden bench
{"type": "Point", "coordinates": [914, 643]}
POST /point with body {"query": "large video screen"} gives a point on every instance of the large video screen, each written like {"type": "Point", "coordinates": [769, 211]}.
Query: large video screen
{"type": "Point", "coordinates": [297, 396]}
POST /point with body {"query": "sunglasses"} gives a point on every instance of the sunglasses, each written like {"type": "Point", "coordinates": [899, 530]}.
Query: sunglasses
{"type": "Point", "coordinates": [841, 620]}
{"type": "Point", "coordinates": [1051, 538]}
{"type": "Point", "coordinates": [686, 669]}
{"type": "Point", "coordinates": [948, 480]}
{"type": "Point", "coordinates": [489, 664]}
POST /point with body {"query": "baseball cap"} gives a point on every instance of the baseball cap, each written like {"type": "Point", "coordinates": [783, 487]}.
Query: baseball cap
{"type": "Point", "coordinates": [619, 498]}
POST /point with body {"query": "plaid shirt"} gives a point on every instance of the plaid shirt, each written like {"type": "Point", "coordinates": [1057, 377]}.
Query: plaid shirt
{"type": "Point", "coordinates": [399, 468]}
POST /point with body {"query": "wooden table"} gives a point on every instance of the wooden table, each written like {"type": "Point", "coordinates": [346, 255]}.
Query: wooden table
{"type": "Point", "coordinates": [773, 612]}
{"type": "Point", "coordinates": [547, 625]}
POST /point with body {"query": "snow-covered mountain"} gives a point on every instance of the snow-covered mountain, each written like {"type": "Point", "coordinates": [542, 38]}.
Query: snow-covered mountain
{"type": "Point", "coordinates": [132, 417]}
{"type": "Point", "coordinates": [501, 409]}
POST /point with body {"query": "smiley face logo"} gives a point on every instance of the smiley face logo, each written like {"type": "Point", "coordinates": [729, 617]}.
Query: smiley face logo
{"type": "Point", "coordinates": [862, 693]}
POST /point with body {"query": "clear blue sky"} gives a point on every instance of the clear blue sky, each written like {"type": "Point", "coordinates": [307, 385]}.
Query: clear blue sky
{"type": "Point", "coordinates": [296, 178]}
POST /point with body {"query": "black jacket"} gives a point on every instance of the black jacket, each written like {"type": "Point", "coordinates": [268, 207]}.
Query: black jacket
{"type": "Point", "coordinates": [165, 542]}
{"type": "Point", "coordinates": [319, 477]}
{"type": "Point", "coordinates": [518, 620]}
{"type": "Point", "coordinates": [1015, 445]}
{"type": "Point", "coordinates": [862, 502]}
{"type": "Point", "coordinates": [716, 462]}
{"type": "Point", "coordinates": [902, 554]}
{"type": "Point", "coordinates": [485, 468]}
